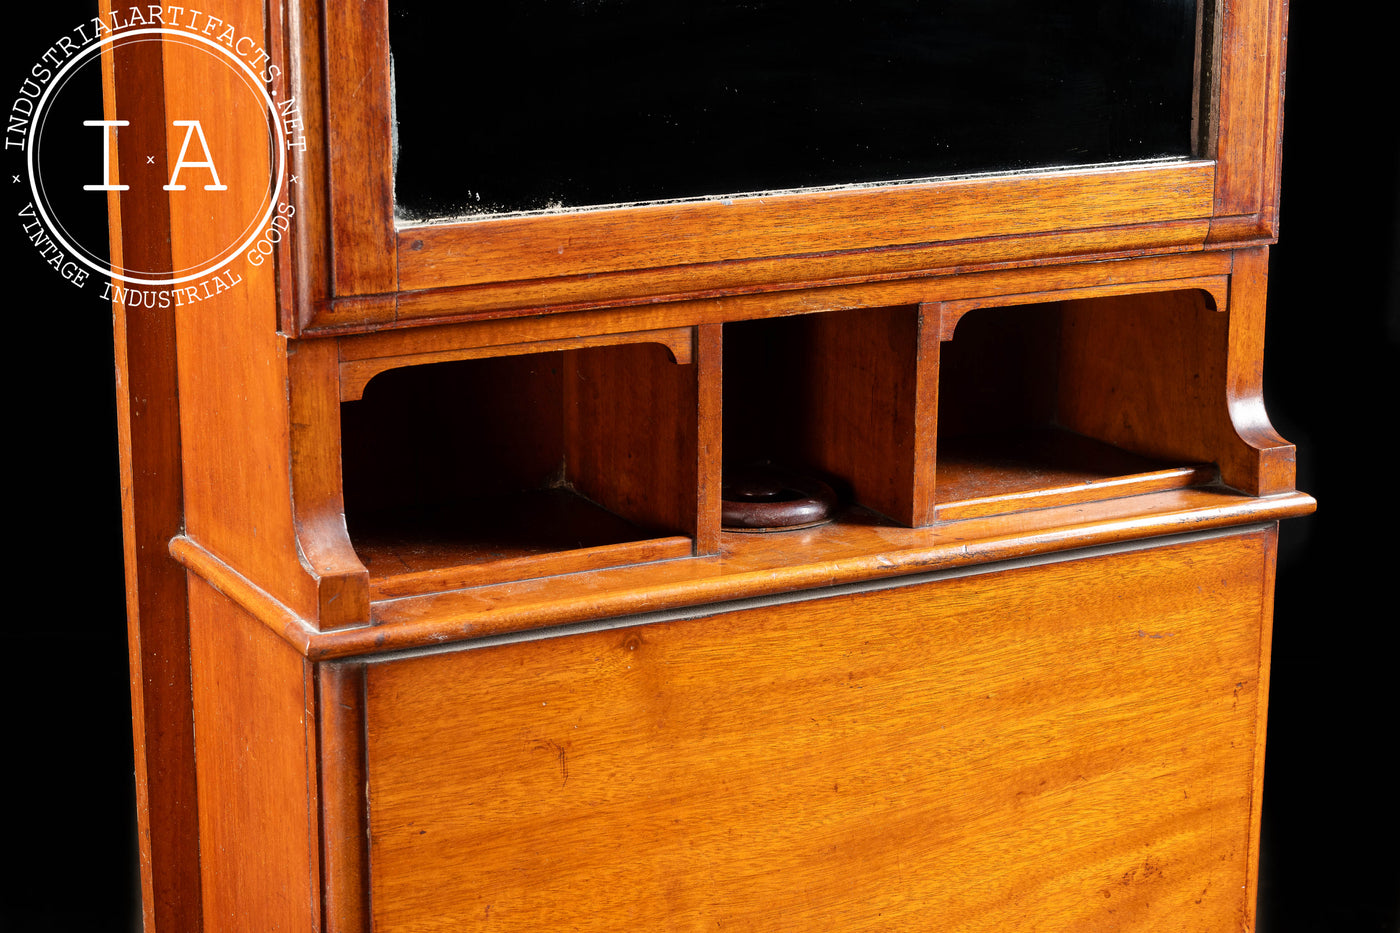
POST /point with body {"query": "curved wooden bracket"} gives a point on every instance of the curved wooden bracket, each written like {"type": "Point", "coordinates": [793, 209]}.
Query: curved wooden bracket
{"type": "Point", "coordinates": [355, 374]}
{"type": "Point", "coordinates": [951, 312]}
{"type": "Point", "coordinates": [1264, 464]}
{"type": "Point", "coordinates": [323, 544]}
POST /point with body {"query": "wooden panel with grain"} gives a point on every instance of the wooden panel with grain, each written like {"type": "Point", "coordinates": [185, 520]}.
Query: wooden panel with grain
{"type": "Point", "coordinates": [340, 692]}
{"type": "Point", "coordinates": [1263, 463]}
{"type": "Point", "coordinates": [233, 371]}
{"type": "Point", "coordinates": [630, 434]}
{"type": "Point", "coordinates": [342, 582]}
{"type": "Point", "coordinates": [709, 403]}
{"type": "Point", "coordinates": [148, 428]}
{"type": "Point", "coordinates": [1067, 746]}
{"type": "Point", "coordinates": [359, 161]}
{"type": "Point", "coordinates": [298, 25]}
{"type": "Point", "coordinates": [784, 272]}
{"type": "Point", "coordinates": [255, 715]}
{"type": "Point", "coordinates": [357, 371]}
{"type": "Point", "coordinates": [1168, 375]}
{"type": "Point", "coordinates": [1248, 120]}
{"type": "Point", "coordinates": [1147, 373]}
{"type": "Point", "coordinates": [1137, 274]}
{"type": "Point", "coordinates": [657, 236]}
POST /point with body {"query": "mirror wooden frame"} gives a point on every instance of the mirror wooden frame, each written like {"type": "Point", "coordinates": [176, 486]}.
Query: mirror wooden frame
{"type": "Point", "coordinates": [357, 268]}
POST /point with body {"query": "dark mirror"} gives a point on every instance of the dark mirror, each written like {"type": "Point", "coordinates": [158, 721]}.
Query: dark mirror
{"type": "Point", "coordinates": [547, 104]}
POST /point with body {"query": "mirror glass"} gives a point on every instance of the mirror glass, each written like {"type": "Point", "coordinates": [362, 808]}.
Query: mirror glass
{"type": "Point", "coordinates": [555, 104]}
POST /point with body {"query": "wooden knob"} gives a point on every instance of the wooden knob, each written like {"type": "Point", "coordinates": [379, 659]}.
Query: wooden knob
{"type": "Point", "coordinates": [764, 497]}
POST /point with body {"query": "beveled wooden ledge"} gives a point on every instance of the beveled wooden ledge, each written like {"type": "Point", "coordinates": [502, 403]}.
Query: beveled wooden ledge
{"type": "Point", "coordinates": [862, 547]}
{"type": "Point", "coordinates": [254, 600]}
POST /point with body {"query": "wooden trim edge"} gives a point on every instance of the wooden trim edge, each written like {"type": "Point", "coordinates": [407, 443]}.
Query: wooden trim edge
{"type": "Point", "coordinates": [525, 612]}
{"type": "Point", "coordinates": [535, 604]}
{"type": "Point", "coordinates": [248, 596]}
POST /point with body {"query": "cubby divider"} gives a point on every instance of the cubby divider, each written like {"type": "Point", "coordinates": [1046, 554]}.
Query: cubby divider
{"type": "Point", "coordinates": [850, 395]}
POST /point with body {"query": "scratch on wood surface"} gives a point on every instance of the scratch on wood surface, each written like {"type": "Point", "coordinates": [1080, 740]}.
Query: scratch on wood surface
{"type": "Point", "coordinates": [561, 752]}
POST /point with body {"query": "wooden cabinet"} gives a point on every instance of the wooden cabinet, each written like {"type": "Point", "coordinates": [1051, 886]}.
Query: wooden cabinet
{"type": "Point", "coordinates": [471, 648]}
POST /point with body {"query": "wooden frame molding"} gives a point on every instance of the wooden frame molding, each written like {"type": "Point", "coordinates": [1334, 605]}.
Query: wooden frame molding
{"type": "Point", "coordinates": [361, 269]}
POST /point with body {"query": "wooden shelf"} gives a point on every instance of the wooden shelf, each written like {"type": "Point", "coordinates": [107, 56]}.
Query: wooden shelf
{"type": "Point", "coordinates": [520, 536]}
{"type": "Point", "coordinates": [1013, 471]}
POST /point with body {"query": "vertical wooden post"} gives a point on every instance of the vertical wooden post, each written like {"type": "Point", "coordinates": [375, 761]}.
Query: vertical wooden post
{"type": "Point", "coordinates": [148, 424]}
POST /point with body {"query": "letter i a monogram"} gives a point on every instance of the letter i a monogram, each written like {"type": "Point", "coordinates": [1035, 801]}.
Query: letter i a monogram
{"type": "Point", "coordinates": [192, 128]}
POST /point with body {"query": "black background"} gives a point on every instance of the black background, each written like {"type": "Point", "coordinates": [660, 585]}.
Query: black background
{"type": "Point", "coordinates": [1330, 855]}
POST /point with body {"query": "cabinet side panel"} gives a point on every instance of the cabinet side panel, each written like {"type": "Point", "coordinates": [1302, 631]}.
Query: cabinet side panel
{"type": "Point", "coordinates": [148, 428]}
{"type": "Point", "coordinates": [1067, 746]}
{"type": "Point", "coordinates": [256, 818]}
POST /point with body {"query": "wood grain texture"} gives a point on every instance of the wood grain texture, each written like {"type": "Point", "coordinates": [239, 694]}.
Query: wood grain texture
{"type": "Point", "coordinates": [1147, 374]}
{"type": "Point", "coordinates": [1266, 641]}
{"type": "Point", "coordinates": [709, 428]}
{"type": "Point", "coordinates": [359, 158]}
{"type": "Point", "coordinates": [1169, 376]}
{"type": "Point", "coordinates": [235, 431]}
{"type": "Point", "coordinates": [148, 429]}
{"type": "Point", "coordinates": [951, 312]}
{"type": "Point", "coordinates": [1264, 463]}
{"type": "Point", "coordinates": [1065, 747]}
{"type": "Point", "coordinates": [997, 474]}
{"type": "Point", "coordinates": [255, 715]}
{"type": "Point", "coordinates": [1249, 108]}
{"type": "Point", "coordinates": [631, 436]}
{"type": "Point", "coordinates": [849, 395]}
{"type": "Point", "coordinates": [1139, 274]}
{"type": "Point", "coordinates": [295, 42]}
{"type": "Point", "coordinates": [428, 568]}
{"type": "Point", "coordinates": [740, 276]}
{"type": "Point", "coordinates": [537, 459]}
{"type": "Point", "coordinates": [867, 408]}
{"type": "Point", "coordinates": [860, 547]}
{"type": "Point", "coordinates": [338, 574]}
{"type": "Point", "coordinates": [340, 692]}
{"type": "Point", "coordinates": [591, 242]}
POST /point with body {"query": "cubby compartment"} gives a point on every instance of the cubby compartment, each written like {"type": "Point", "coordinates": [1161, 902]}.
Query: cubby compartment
{"type": "Point", "coordinates": [1075, 401]}
{"type": "Point", "coordinates": [841, 395]}
{"type": "Point", "coordinates": [540, 459]}
{"type": "Point", "coordinates": [479, 471]}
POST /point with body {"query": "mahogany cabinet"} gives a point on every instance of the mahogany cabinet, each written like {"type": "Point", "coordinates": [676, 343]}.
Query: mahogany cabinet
{"type": "Point", "coordinates": [470, 645]}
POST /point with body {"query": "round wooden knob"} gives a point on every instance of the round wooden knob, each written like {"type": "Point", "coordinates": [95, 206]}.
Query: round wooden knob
{"type": "Point", "coordinates": [764, 497]}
